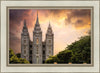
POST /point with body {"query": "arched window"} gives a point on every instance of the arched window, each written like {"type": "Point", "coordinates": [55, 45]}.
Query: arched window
{"type": "Point", "coordinates": [30, 51]}
{"type": "Point", "coordinates": [49, 51]}
{"type": "Point", "coordinates": [49, 48]}
{"type": "Point", "coordinates": [24, 41]}
{"type": "Point", "coordinates": [49, 41]}
{"type": "Point", "coordinates": [37, 41]}
{"type": "Point", "coordinates": [37, 60]}
{"type": "Point", "coordinates": [24, 51]}
{"type": "Point", "coordinates": [37, 49]}
{"type": "Point", "coordinates": [24, 46]}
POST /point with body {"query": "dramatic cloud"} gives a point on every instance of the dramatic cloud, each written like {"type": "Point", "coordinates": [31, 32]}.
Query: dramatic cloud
{"type": "Point", "coordinates": [70, 23]}
{"type": "Point", "coordinates": [79, 18]}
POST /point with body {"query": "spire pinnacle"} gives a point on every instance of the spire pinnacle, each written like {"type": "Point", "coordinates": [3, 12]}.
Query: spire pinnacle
{"type": "Point", "coordinates": [37, 21]}
{"type": "Point", "coordinates": [49, 25]}
{"type": "Point", "coordinates": [37, 13]}
{"type": "Point", "coordinates": [24, 23]}
{"type": "Point", "coordinates": [25, 27]}
{"type": "Point", "coordinates": [37, 25]}
{"type": "Point", "coordinates": [49, 30]}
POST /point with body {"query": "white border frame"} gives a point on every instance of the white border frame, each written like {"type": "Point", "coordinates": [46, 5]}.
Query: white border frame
{"type": "Point", "coordinates": [4, 68]}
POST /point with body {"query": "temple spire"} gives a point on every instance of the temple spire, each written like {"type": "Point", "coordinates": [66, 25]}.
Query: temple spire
{"type": "Point", "coordinates": [49, 30]}
{"type": "Point", "coordinates": [37, 25]}
{"type": "Point", "coordinates": [49, 27]}
{"type": "Point", "coordinates": [37, 21]}
{"type": "Point", "coordinates": [25, 27]}
{"type": "Point", "coordinates": [24, 23]}
{"type": "Point", "coordinates": [49, 24]}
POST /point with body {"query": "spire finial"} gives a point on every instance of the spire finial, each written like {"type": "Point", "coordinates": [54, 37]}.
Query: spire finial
{"type": "Point", "coordinates": [49, 23]}
{"type": "Point", "coordinates": [49, 30]}
{"type": "Point", "coordinates": [37, 21]}
{"type": "Point", "coordinates": [24, 22]}
{"type": "Point", "coordinates": [37, 13]}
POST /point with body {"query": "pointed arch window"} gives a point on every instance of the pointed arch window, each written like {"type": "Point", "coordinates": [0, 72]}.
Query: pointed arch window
{"type": "Point", "coordinates": [24, 41]}
{"type": "Point", "coordinates": [37, 41]}
{"type": "Point", "coordinates": [37, 59]}
{"type": "Point", "coordinates": [37, 49]}
{"type": "Point", "coordinates": [24, 46]}
{"type": "Point", "coordinates": [49, 41]}
{"type": "Point", "coordinates": [49, 51]}
{"type": "Point", "coordinates": [49, 48]}
{"type": "Point", "coordinates": [24, 51]}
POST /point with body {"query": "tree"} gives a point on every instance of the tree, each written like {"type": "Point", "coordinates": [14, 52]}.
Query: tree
{"type": "Point", "coordinates": [52, 59]}
{"type": "Point", "coordinates": [65, 56]}
{"type": "Point", "coordinates": [18, 55]}
{"type": "Point", "coordinates": [78, 52]}
{"type": "Point", "coordinates": [13, 59]}
{"type": "Point", "coordinates": [81, 50]}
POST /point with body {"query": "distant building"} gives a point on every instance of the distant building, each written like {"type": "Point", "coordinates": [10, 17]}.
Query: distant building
{"type": "Point", "coordinates": [36, 51]}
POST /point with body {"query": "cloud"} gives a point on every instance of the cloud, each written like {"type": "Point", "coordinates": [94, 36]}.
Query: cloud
{"type": "Point", "coordinates": [14, 42]}
{"type": "Point", "coordinates": [81, 12]}
{"type": "Point", "coordinates": [79, 18]}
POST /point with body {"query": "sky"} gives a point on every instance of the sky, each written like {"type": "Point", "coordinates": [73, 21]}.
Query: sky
{"type": "Point", "coordinates": [68, 25]}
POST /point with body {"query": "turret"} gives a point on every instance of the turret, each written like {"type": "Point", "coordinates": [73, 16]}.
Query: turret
{"type": "Point", "coordinates": [25, 42]}
{"type": "Point", "coordinates": [49, 41]}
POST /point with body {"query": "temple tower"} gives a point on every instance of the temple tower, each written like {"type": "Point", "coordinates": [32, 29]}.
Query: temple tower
{"type": "Point", "coordinates": [37, 43]}
{"type": "Point", "coordinates": [25, 42]}
{"type": "Point", "coordinates": [49, 42]}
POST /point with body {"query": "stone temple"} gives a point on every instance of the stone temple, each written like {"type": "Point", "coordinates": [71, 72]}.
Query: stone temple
{"type": "Point", "coordinates": [37, 51]}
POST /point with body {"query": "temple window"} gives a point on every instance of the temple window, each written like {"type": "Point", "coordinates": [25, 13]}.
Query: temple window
{"type": "Point", "coordinates": [43, 52]}
{"type": "Point", "coordinates": [37, 60]}
{"type": "Point", "coordinates": [49, 41]}
{"type": "Point", "coordinates": [30, 46]}
{"type": "Point", "coordinates": [24, 46]}
{"type": "Point", "coordinates": [37, 49]}
{"type": "Point", "coordinates": [37, 41]}
{"type": "Point", "coordinates": [49, 48]}
{"type": "Point", "coordinates": [30, 51]}
{"type": "Point", "coordinates": [24, 41]}
{"type": "Point", "coordinates": [24, 51]}
{"type": "Point", "coordinates": [49, 51]}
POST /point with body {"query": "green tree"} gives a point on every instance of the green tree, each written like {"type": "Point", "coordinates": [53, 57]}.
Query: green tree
{"type": "Point", "coordinates": [65, 56]}
{"type": "Point", "coordinates": [81, 50]}
{"type": "Point", "coordinates": [13, 59]}
{"type": "Point", "coordinates": [18, 55]}
{"type": "Point", "coordinates": [78, 52]}
{"type": "Point", "coordinates": [52, 59]}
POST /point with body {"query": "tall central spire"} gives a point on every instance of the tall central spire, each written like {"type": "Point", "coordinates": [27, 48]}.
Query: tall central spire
{"type": "Point", "coordinates": [24, 23]}
{"type": "Point", "coordinates": [37, 21]}
{"type": "Point", "coordinates": [37, 25]}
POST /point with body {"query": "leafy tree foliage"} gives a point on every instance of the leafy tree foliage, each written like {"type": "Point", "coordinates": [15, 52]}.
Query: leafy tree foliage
{"type": "Point", "coordinates": [52, 59]}
{"type": "Point", "coordinates": [18, 55]}
{"type": "Point", "coordinates": [13, 59]}
{"type": "Point", "coordinates": [76, 53]}
{"type": "Point", "coordinates": [81, 50]}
